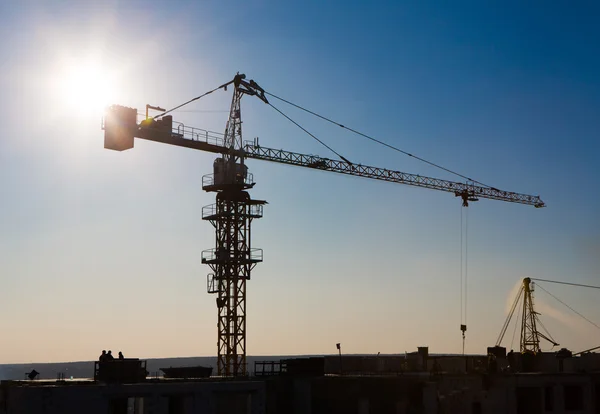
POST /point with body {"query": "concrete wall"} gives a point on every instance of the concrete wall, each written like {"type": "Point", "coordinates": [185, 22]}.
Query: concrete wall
{"type": "Point", "coordinates": [353, 364]}
{"type": "Point", "coordinates": [461, 394]}
{"type": "Point", "coordinates": [518, 393]}
{"type": "Point", "coordinates": [201, 397]}
{"type": "Point", "coordinates": [587, 362]}
{"type": "Point", "coordinates": [527, 393]}
{"type": "Point", "coordinates": [342, 395]}
{"type": "Point", "coordinates": [32, 400]}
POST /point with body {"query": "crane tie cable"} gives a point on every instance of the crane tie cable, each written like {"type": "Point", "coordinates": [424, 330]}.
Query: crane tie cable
{"type": "Point", "coordinates": [541, 287]}
{"type": "Point", "coordinates": [194, 99]}
{"type": "Point", "coordinates": [304, 129]}
{"type": "Point", "coordinates": [514, 332]}
{"type": "Point", "coordinates": [566, 283]}
{"type": "Point", "coordinates": [331, 121]}
{"type": "Point", "coordinates": [328, 120]}
{"type": "Point", "coordinates": [377, 141]}
{"type": "Point", "coordinates": [545, 330]}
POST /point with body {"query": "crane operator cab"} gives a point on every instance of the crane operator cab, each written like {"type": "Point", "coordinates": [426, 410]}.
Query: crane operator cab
{"type": "Point", "coordinates": [223, 176]}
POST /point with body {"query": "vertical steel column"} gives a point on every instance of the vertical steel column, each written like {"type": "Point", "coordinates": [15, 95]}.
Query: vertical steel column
{"type": "Point", "coordinates": [231, 261]}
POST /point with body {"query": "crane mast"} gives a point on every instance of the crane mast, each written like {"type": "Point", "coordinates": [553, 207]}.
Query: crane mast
{"type": "Point", "coordinates": [232, 259]}
{"type": "Point", "coordinates": [530, 337]}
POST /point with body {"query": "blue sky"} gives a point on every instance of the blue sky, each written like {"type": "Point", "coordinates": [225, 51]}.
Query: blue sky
{"type": "Point", "coordinates": [102, 250]}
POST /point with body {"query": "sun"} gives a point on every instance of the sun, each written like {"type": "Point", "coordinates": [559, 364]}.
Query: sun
{"type": "Point", "coordinates": [84, 87]}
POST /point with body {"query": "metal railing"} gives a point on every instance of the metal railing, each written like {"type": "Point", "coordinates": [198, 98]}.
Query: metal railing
{"type": "Point", "coordinates": [212, 285]}
{"type": "Point", "coordinates": [198, 134]}
{"type": "Point", "coordinates": [253, 255]}
{"type": "Point", "coordinates": [208, 180]}
{"type": "Point", "coordinates": [209, 210]}
{"type": "Point", "coordinates": [269, 368]}
{"type": "Point", "coordinates": [254, 210]}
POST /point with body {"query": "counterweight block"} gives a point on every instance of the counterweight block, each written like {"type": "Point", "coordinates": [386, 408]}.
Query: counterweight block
{"type": "Point", "coordinates": [120, 127]}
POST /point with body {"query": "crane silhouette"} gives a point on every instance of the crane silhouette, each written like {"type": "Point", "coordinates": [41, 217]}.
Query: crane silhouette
{"type": "Point", "coordinates": [233, 258]}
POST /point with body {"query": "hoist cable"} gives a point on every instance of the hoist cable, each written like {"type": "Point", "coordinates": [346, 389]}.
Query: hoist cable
{"type": "Point", "coordinates": [461, 265]}
{"type": "Point", "coordinates": [305, 130]}
{"type": "Point", "coordinates": [464, 240]}
{"type": "Point", "coordinates": [376, 140]}
{"type": "Point", "coordinates": [466, 262]}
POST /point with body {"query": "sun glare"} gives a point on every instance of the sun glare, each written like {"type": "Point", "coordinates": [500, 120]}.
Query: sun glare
{"type": "Point", "coordinates": [85, 87]}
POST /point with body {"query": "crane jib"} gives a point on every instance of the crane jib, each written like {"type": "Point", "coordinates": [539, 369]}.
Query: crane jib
{"type": "Point", "coordinates": [120, 129]}
{"type": "Point", "coordinates": [472, 192]}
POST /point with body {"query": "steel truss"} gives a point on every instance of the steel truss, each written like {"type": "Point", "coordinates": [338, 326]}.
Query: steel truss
{"type": "Point", "coordinates": [467, 191]}
{"type": "Point", "coordinates": [530, 340]}
{"type": "Point", "coordinates": [232, 259]}
{"type": "Point", "coordinates": [231, 262]}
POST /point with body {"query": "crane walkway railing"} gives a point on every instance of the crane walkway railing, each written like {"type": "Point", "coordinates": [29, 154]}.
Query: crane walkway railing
{"type": "Point", "coordinates": [197, 134]}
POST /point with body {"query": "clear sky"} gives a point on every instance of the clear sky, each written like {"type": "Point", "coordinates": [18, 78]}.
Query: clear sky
{"type": "Point", "coordinates": [101, 250]}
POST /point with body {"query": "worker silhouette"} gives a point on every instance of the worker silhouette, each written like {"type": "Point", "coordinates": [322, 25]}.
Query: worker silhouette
{"type": "Point", "coordinates": [102, 356]}
{"type": "Point", "coordinates": [121, 355]}
{"type": "Point", "coordinates": [109, 356]}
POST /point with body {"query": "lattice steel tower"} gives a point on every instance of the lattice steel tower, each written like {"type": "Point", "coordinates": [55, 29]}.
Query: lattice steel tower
{"type": "Point", "coordinates": [232, 259]}
{"type": "Point", "coordinates": [530, 337]}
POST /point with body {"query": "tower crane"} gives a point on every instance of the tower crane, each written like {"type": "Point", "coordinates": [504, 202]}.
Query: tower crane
{"type": "Point", "coordinates": [233, 258]}
{"type": "Point", "coordinates": [530, 333]}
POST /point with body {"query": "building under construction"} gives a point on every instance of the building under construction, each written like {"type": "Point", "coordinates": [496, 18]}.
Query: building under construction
{"type": "Point", "coordinates": [412, 383]}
